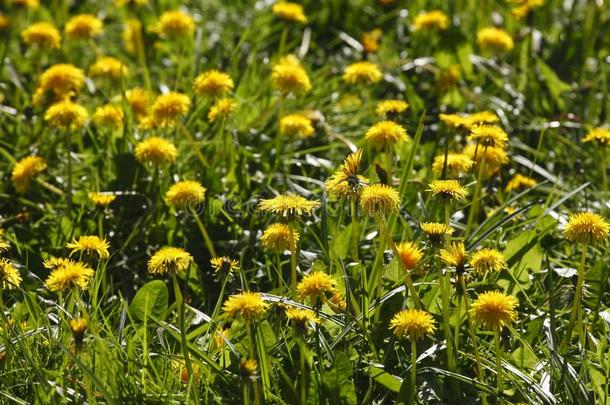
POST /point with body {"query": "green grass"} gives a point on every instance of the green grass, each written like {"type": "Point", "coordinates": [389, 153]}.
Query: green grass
{"type": "Point", "coordinates": [548, 92]}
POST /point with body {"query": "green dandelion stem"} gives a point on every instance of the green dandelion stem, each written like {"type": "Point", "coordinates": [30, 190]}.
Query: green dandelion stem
{"type": "Point", "coordinates": [498, 360]}
{"type": "Point", "coordinates": [204, 233]}
{"type": "Point", "coordinates": [577, 299]}
{"type": "Point", "coordinates": [443, 280]}
{"type": "Point", "coordinates": [355, 229]}
{"type": "Point", "coordinates": [182, 323]}
{"type": "Point", "coordinates": [293, 263]}
{"type": "Point", "coordinates": [193, 143]}
{"type": "Point", "coordinates": [413, 372]}
{"type": "Point", "coordinates": [474, 207]}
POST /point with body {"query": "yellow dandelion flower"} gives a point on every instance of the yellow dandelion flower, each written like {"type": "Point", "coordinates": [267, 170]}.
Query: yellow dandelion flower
{"type": "Point", "coordinates": [4, 245]}
{"type": "Point", "coordinates": [363, 73]}
{"type": "Point", "coordinates": [599, 135]}
{"type": "Point", "coordinates": [224, 264]}
{"type": "Point", "coordinates": [108, 67]}
{"type": "Point", "coordinates": [70, 275]}
{"type": "Point", "coordinates": [169, 108]}
{"type": "Point", "coordinates": [525, 7]}
{"type": "Point", "coordinates": [488, 135]}
{"type": "Point", "coordinates": [101, 199]}
{"type": "Point", "coordinates": [185, 194]}
{"type": "Point", "coordinates": [176, 24]}
{"type": "Point", "coordinates": [288, 76]}
{"type": "Point", "coordinates": [385, 133]}
{"type": "Point", "coordinates": [9, 276]}
{"type": "Point", "coordinates": [5, 23]}
{"type": "Point", "coordinates": [337, 303]}
{"type": "Point", "coordinates": [290, 206]}
{"type": "Point", "coordinates": [340, 186]}
{"type": "Point", "coordinates": [220, 337]}
{"type": "Point", "coordinates": [139, 100]}
{"type": "Point", "coordinates": [586, 227]}
{"type": "Point", "coordinates": [290, 11]}
{"type": "Point", "coordinates": [169, 260]}
{"type": "Point", "coordinates": [412, 324]}
{"type": "Point", "coordinates": [519, 181]}
{"type": "Point", "coordinates": [387, 108]}
{"type": "Point", "coordinates": [488, 260]}
{"type": "Point", "coordinates": [222, 108]}
{"type": "Point", "coordinates": [61, 79]}
{"type": "Point", "coordinates": [436, 231]}
{"type": "Point", "coordinates": [448, 190]}
{"type": "Point", "coordinates": [370, 40]}
{"type": "Point", "coordinates": [66, 115]}
{"type": "Point", "coordinates": [431, 20]}
{"type": "Point", "coordinates": [132, 36]}
{"type": "Point", "coordinates": [213, 83]}
{"type": "Point", "coordinates": [248, 368]}
{"type": "Point", "coordinates": [379, 199]}
{"type": "Point", "coordinates": [455, 256]}
{"type": "Point", "coordinates": [302, 319]}
{"type": "Point", "coordinates": [88, 245]}
{"type": "Point", "coordinates": [31, 4]}
{"type": "Point", "coordinates": [54, 263]}
{"type": "Point", "coordinates": [316, 285]}
{"type": "Point", "coordinates": [25, 170]}
{"type": "Point", "coordinates": [279, 238]}
{"type": "Point", "coordinates": [156, 151]}
{"type": "Point", "coordinates": [108, 116]}
{"type": "Point", "coordinates": [495, 157]}
{"type": "Point", "coordinates": [494, 310]}
{"type": "Point", "coordinates": [469, 120]}
{"type": "Point", "coordinates": [247, 305]}
{"type": "Point", "coordinates": [410, 254]}
{"type": "Point", "coordinates": [84, 26]}
{"type": "Point", "coordinates": [457, 163]}
{"type": "Point", "coordinates": [495, 39]}
{"type": "Point", "coordinates": [41, 34]}
{"type": "Point", "coordinates": [135, 3]}
{"type": "Point", "coordinates": [296, 125]}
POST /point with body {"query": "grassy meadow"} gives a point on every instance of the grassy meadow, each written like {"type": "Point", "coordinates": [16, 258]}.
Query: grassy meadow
{"type": "Point", "coordinates": [322, 202]}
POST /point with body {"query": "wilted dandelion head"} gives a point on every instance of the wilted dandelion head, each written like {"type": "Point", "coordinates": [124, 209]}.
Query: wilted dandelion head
{"type": "Point", "coordinates": [455, 256]}
{"type": "Point", "coordinates": [598, 135]}
{"type": "Point", "coordinates": [213, 83]}
{"type": "Point", "coordinates": [494, 310]}
{"type": "Point", "coordinates": [431, 20]}
{"type": "Point", "coordinates": [108, 116]}
{"type": "Point", "coordinates": [412, 324]}
{"type": "Point", "coordinates": [385, 133]}
{"type": "Point", "coordinates": [316, 285]}
{"type": "Point", "coordinates": [248, 369]}
{"type": "Point", "coordinates": [78, 327]}
{"type": "Point", "coordinates": [288, 206]}
{"type": "Point", "coordinates": [224, 264]}
{"type": "Point", "coordinates": [169, 108]}
{"type": "Point", "coordinates": [88, 245]}
{"type": "Point", "coordinates": [66, 115]}
{"type": "Point", "coordinates": [296, 125]}
{"type": "Point", "coordinates": [436, 231]}
{"type": "Point", "coordinates": [586, 227]}
{"type": "Point", "coordinates": [457, 163]}
{"type": "Point", "coordinates": [362, 73]}
{"type": "Point", "coordinates": [379, 199]}
{"type": "Point", "coordinates": [25, 170]}
{"type": "Point", "coordinates": [5, 23]}
{"type": "Point", "coordinates": [69, 275]}
{"type": "Point", "coordinates": [302, 319]}
{"type": "Point", "coordinates": [488, 135]}
{"type": "Point", "coordinates": [279, 238]}
{"type": "Point", "coordinates": [41, 34]}
{"type": "Point", "coordinates": [4, 245]}
{"type": "Point", "coordinates": [185, 194]}
{"type": "Point", "coordinates": [247, 305]}
{"type": "Point", "coordinates": [9, 276]}
{"type": "Point", "coordinates": [488, 260]}
{"type": "Point", "coordinates": [222, 108]}
{"type": "Point", "coordinates": [61, 79]}
{"type": "Point", "coordinates": [288, 76]}
{"type": "Point", "coordinates": [169, 260]}
{"type": "Point", "coordinates": [108, 67]}
{"type": "Point", "coordinates": [84, 26]}
{"type": "Point", "coordinates": [101, 199]}
{"type": "Point", "coordinates": [448, 190]}
{"type": "Point", "coordinates": [495, 39]}
{"type": "Point", "coordinates": [156, 151]}
{"type": "Point", "coordinates": [289, 11]}
{"type": "Point", "coordinates": [176, 24]}
{"type": "Point", "coordinates": [386, 108]}
{"type": "Point", "coordinates": [410, 254]}
{"type": "Point", "coordinates": [370, 40]}
{"type": "Point", "coordinates": [519, 181]}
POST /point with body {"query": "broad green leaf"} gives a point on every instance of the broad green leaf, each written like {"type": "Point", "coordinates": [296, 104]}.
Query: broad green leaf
{"type": "Point", "coordinates": [150, 301]}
